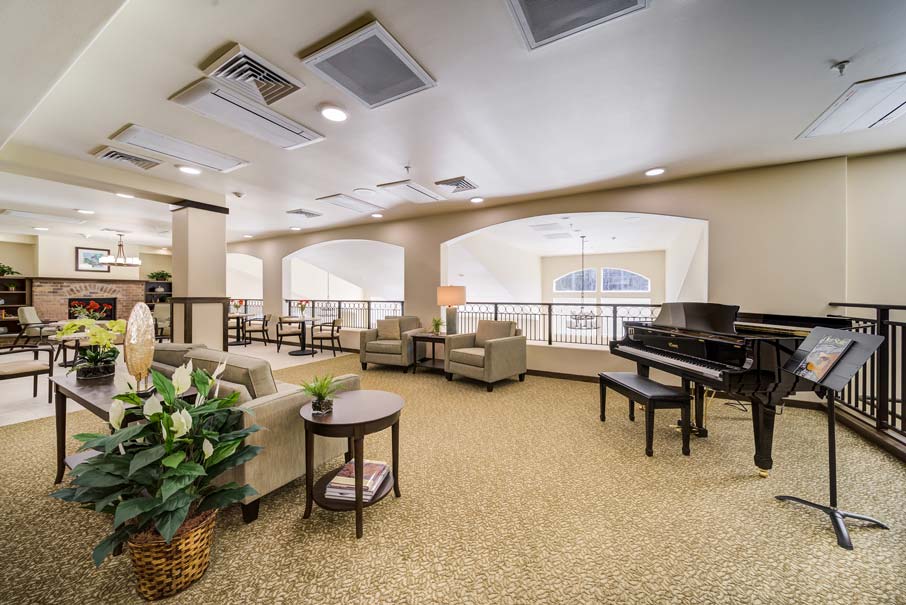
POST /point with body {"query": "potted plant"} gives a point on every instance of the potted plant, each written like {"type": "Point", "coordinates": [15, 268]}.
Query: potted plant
{"type": "Point", "coordinates": [436, 325]}
{"type": "Point", "coordinates": [90, 310]}
{"type": "Point", "coordinates": [155, 475]}
{"type": "Point", "coordinates": [321, 390]}
{"type": "Point", "coordinates": [98, 359]}
{"type": "Point", "coordinates": [237, 304]}
{"type": "Point", "coordinates": [7, 270]}
{"type": "Point", "coordinates": [160, 276]}
{"type": "Point", "coordinates": [12, 286]}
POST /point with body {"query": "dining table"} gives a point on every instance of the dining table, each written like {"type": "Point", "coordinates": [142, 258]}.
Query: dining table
{"type": "Point", "coordinates": [303, 336]}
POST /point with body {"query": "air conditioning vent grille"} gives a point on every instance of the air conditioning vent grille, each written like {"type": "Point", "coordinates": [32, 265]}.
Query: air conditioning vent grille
{"type": "Point", "coordinates": [304, 212]}
{"type": "Point", "coordinates": [543, 22]}
{"type": "Point", "coordinates": [109, 154]}
{"type": "Point", "coordinates": [459, 184]}
{"type": "Point", "coordinates": [252, 75]}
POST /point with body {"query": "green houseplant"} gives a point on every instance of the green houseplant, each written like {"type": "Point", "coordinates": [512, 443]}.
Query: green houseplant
{"type": "Point", "coordinates": [98, 359]}
{"type": "Point", "coordinates": [321, 389]}
{"type": "Point", "coordinates": [160, 276]}
{"type": "Point", "coordinates": [436, 325]}
{"type": "Point", "coordinates": [7, 270]}
{"type": "Point", "coordinates": [155, 474]}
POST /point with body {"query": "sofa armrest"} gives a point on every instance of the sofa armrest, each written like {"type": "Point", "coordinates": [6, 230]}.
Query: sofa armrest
{"type": "Point", "coordinates": [408, 345]}
{"type": "Point", "coordinates": [366, 336]}
{"type": "Point", "coordinates": [504, 357]}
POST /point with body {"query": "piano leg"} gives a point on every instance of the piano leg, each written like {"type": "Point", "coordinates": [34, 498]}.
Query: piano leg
{"type": "Point", "coordinates": [700, 429]}
{"type": "Point", "coordinates": [763, 429]}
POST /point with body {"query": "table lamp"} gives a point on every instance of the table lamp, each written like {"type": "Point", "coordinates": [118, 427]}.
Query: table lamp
{"type": "Point", "coordinates": [451, 297]}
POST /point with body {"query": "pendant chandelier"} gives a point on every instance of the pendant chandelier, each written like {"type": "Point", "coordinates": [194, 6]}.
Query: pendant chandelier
{"type": "Point", "coordinates": [582, 319]}
{"type": "Point", "coordinates": [120, 259]}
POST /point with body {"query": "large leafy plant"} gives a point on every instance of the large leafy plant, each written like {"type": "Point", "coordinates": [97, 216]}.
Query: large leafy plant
{"type": "Point", "coordinates": [159, 465]}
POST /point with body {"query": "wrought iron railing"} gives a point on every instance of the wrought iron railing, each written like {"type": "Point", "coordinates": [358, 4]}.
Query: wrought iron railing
{"type": "Point", "coordinates": [877, 391]}
{"type": "Point", "coordinates": [252, 306]}
{"type": "Point", "coordinates": [559, 323]}
{"type": "Point", "coordinates": [354, 313]}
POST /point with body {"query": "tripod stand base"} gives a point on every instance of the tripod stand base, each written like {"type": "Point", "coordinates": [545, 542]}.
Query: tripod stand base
{"type": "Point", "coordinates": [837, 519]}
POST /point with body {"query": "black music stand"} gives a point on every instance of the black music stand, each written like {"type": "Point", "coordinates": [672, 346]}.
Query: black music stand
{"type": "Point", "coordinates": [863, 347]}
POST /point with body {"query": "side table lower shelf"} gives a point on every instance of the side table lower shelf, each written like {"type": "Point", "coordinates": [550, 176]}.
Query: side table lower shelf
{"type": "Point", "coordinates": [321, 499]}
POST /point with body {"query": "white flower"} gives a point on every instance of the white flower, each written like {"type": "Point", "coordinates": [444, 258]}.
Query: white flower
{"type": "Point", "coordinates": [207, 448]}
{"type": "Point", "coordinates": [124, 383]}
{"type": "Point", "coordinates": [182, 422]}
{"type": "Point", "coordinates": [152, 406]}
{"type": "Point", "coordinates": [182, 378]}
{"type": "Point", "coordinates": [216, 375]}
{"type": "Point", "coordinates": [117, 413]}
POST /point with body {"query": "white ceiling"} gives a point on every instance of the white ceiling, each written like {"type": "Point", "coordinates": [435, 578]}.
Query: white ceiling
{"type": "Point", "coordinates": [693, 85]}
{"type": "Point", "coordinates": [605, 232]}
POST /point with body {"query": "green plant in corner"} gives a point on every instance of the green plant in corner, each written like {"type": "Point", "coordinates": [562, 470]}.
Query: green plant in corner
{"type": "Point", "coordinates": [157, 469]}
{"type": "Point", "coordinates": [321, 389]}
{"type": "Point", "coordinates": [160, 276]}
{"type": "Point", "coordinates": [7, 270]}
{"type": "Point", "coordinates": [436, 325]}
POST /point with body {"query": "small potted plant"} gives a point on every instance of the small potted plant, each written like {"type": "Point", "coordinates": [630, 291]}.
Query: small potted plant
{"type": "Point", "coordinates": [160, 276]}
{"type": "Point", "coordinates": [7, 270]}
{"type": "Point", "coordinates": [155, 475]}
{"type": "Point", "coordinates": [237, 304]}
{"type": "Point", "coordinates": [436, 325]}
{"type": "Point", "coordinates": [321, 390]}
{"type": "Point", "coordinates": [98, 359]}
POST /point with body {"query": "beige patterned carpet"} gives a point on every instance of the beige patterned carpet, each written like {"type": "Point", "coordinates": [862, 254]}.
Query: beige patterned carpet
{"type": "Point", "coordinates": [516, 496]}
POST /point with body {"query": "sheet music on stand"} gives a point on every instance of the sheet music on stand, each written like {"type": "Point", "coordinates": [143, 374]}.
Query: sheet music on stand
{"type": "Point", "coordinates": [849, 352]}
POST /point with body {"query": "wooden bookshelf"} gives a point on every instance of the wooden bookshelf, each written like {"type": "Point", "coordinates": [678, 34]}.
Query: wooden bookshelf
{"type": "Point", "coordinates": [15, 292]}
{"type": "Point", "coordinates": [152, 295]}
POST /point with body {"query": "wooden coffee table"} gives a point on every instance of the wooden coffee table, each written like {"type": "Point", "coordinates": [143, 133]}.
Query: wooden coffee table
{"type": "Point", "coordinates": [355, 414]}
{"type": "Point", "coordinates": [431, 363]}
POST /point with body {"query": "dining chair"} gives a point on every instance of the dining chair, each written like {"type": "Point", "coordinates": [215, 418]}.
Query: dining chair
{"type": "Point", "coordinates": [328, 331]}
{"type": "Point", "coordinates": [259, 325]}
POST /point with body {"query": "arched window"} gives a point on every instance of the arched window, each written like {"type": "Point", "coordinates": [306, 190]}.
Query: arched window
{"type": "Point", "coordinates": [577, 281]}
{"type": "Point", "coordinates": [621, 280]}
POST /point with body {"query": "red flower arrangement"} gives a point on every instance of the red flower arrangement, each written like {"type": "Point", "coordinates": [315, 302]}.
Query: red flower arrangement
{"type": "Point", "coordinates": [91, 310]}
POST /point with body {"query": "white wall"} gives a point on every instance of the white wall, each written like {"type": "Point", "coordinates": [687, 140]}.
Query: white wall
{"type": "Point", "coordinates": [245, 276]}
{"type": "Point", "coordinates": [491, 270]}
{"type": "Point", "coordinates": [687, 263]}
{"type": "Point", "coordinates": [353, 270]}
{"type": "Point", "coordinates": [305, 281]}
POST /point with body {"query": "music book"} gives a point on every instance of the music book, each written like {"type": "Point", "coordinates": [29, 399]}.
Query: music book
{"type": "Point", "coordinates": [823, 357]}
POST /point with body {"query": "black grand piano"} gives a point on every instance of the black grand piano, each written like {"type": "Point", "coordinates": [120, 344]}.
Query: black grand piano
{"type": "Point", "coordinates": [737, 354]}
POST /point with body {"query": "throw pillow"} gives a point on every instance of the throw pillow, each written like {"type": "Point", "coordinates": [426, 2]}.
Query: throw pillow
{"type": "Point", "coordinates": [388, 329]}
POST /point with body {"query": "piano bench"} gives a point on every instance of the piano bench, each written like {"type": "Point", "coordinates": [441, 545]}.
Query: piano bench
{"type": "Point", "coordinates": [653, 395]}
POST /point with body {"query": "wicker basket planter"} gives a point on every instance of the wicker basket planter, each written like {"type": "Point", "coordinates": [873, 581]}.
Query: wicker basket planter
{"type": "Point", "coordinates": [165, 569]}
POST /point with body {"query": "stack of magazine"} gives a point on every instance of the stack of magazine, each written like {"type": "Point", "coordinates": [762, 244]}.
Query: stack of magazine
{"type": "Point", "coordinates": [342, 486]}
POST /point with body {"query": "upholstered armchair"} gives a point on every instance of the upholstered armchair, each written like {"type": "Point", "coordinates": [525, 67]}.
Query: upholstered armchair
{"type": "Point", "coordinates": [32, 328]}
{"type": "Point", "coordinates": [162, 324]}
{"type": "Point", "coordinates": [391, 342]}
{"type": "Point", "coordinates": [495, 351]}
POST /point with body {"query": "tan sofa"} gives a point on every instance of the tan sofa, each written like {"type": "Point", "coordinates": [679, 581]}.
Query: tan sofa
{"type": "Point", "coordinates": [393, 347]}
{"type": "Point", "coordinates": [276, 409]}
{"type": "Point", "coordinates": [494, 352]}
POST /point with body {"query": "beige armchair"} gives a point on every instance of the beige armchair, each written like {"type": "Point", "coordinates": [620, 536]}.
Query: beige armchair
{"type": "Point", "coordinates": [32, 328]}
{"type": "Point", "coordinates": [275, 406]}
{"type": "Point", "coordinates": [495, 351]}
{"type": "Point", "coordinates": [390, 343]}
{"type": "Point", "coordinates": [162, 324]}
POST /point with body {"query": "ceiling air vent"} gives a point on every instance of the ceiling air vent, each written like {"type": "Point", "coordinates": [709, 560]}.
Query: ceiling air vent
{"type": "Point", "coordinates": [459, 184]}
{"type": "Point", "coordinates": [543, 21]}
{"type": "Point", "coordinates": [866, 104]}
{"type": "Point", "coordinates": [252, 75]}
{"type": "Point", "coordinates": [350, 203]}
{"type": "Point", "coordinates": [109, 154]}
{"type": "Point", "coordinates": [371, 65]}
{"type": "Point", "coordinates": [180, 150]}
{"type": "Point", "coordinates": [557, 235]}
{"type": "Point", "coordinates": [411, 192]}
{"type": "Point", "coordinates": [304, 213]}
{"type": "Point", "coordinates": [39, 217]}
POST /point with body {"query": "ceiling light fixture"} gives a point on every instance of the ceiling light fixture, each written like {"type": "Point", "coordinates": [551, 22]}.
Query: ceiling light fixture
{"type": "Point", "coordinates": [332, 112]}
{"type": "Point", "coordinates": [120, 259]}
{"type": "Point", "coordinates": [364, 191]}
{"type": "Point", "coordinates": [377, 215]}
{"type": "Point", "coordinates": [295, 228]}
{"type": "Point", "coordinates": [128, 196]}
{"type": "Point", "coordinates": [477, 200]}
{"type": "Point", "coordinates": [248, 236]}
{"type": "Point", "coordinates": [83, 211]}
{"type": "Point", "coordinates": [655, 172]}
{"type": "Point", "coordinates": [189, 170]}
{"type": "Point", "coordinates": [41, 229]}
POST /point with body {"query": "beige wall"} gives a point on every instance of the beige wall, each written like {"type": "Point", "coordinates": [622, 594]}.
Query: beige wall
{"type": "Point", "coordinates": [762, 223]}
{"type": "Point", "coordinates": [152, 262]}
{"type": "Point", "coordinates": [21, 256]}
{"type": "Point", "coordinates": [650, 264]}
{"type": "Point", "coordinates": [56, 258]}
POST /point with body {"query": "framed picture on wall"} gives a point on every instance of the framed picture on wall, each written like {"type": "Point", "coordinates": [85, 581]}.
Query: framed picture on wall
{"type": "Point", "coordinates": [88, 259]}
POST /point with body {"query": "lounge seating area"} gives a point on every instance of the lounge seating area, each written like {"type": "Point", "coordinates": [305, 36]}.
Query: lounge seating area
{"type": "Point", "coordinates": [410, 303]}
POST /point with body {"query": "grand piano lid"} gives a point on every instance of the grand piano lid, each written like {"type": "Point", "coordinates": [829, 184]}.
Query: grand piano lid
{"type": "Point", "coordinates": [700, 317]}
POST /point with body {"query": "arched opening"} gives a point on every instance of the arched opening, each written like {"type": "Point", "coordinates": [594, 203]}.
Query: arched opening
{"type": "Point", "coordinates": [245, 281]}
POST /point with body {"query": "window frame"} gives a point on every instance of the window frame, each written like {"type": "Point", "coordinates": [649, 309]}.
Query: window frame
{"type": "Point", "coordinates": [645, 277]}
{"type": "Point", "coordinates": [594, 276]}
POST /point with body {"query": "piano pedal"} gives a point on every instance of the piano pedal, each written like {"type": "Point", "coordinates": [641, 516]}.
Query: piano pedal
{"type": "Point", "coordinates": [698, 432]}
{"type": "Point", "coordinates": [763, 473]}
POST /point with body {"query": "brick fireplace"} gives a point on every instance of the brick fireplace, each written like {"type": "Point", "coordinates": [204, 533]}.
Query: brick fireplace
{"type": "Point", "coordinates": [51, 296]}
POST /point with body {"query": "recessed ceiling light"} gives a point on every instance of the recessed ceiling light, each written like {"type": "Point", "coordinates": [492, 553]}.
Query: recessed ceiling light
{"type": "Point", "coordinates": [332, 112]}
{"type": "Point", "coordinates": [189, 169]}
{"type": "Point", "coordinates": [632, 219]}
{"type": "Point", "coordinates": [655, 172]}
{"type": "Point", "coordinates": [248, 236]}
{"type": "Point", "coordinates": [377, 215]}
{"type": "Point", "coordinates": [128, 196]}
{"type": "Point", "coordinates": [364, 191]}
{"type": "Point", "coordinates": [41, 229]}
{"type": "Point", "coordinates": [83, 211]}
{"type": "Point", "coordinates": [295, 228]}
{"type": "Point", "coordinates": [476, 200]}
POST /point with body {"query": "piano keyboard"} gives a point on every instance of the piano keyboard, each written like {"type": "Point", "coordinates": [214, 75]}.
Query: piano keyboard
{"type": "Point", "coordinates": [675, 360]}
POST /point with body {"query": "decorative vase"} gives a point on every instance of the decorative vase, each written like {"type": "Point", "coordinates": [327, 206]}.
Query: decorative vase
{"type": "Point", "coordinates": [162, 569]}
{"type": "Point", "coordinates": [104, 370]}
{"type": "Point", "coordinates": [159, 289]}
{"type": "Point", "coordinates": [138, 344]}
{"type": "Point", "coordinates": [321, 407]}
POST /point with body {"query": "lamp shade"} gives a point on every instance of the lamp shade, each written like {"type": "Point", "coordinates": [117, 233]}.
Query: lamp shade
{"type": "Point", "coordinates": [451, 296]}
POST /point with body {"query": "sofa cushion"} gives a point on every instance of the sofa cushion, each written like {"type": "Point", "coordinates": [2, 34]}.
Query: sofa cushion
{"type": "Point", "coordinates": [389, 347]}
{"type": "Point", "coordinates": [173, 353]}
{"type": "Point", "coordinates": [252, 373]}
{"type": "Point", "coordinates": [388, 329]}
{"type": "Point", "coordinates": [11, 368]}
{"type": "Point", "coordinates": [472, 356]}
{"type": "Point", "coordinates": [489, 330]}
